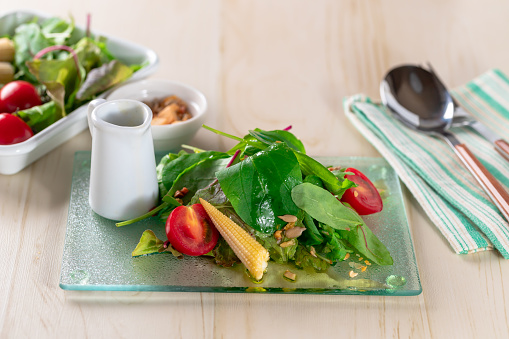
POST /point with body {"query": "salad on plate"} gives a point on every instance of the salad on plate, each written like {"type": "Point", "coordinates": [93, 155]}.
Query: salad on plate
{"type": "Point", "coordinates": [47, 70]}
{"type": "Point", "coordinates": [264, 199]}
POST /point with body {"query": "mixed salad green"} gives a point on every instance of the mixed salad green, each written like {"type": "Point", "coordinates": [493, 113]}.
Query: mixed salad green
{"type": "Point", "coordinates": [258, 182]}
{"type": "Point", "coordinates": [68, 67]}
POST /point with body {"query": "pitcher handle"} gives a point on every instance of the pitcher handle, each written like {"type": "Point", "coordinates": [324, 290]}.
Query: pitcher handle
{"type": "Point", "coordinates": [91, 106]}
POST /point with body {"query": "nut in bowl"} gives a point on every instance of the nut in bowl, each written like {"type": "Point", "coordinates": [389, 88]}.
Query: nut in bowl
{"type": "Point", "coordinates": [181, 109]}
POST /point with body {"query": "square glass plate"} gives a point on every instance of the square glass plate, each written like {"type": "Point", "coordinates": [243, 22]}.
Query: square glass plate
{"type": "Point", "coordinates": [97, 254]}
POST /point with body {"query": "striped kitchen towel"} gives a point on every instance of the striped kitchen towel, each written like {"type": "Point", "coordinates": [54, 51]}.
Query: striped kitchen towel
{"type": "Point", "coordinates": [449, 194]}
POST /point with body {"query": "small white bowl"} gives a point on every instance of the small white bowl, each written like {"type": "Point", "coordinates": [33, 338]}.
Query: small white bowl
{"type": "Point", "coordinates": [167, 137]}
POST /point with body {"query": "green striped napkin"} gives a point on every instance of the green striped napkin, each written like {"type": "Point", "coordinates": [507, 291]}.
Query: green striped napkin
{"type": "Point", "coordinates": [449, 194]}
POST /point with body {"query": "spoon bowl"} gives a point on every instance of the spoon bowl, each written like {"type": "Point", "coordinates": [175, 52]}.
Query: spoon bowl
{"type": "Point", "coordinates": [420, 101]}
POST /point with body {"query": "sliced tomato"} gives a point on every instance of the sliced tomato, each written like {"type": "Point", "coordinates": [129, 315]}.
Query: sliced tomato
{"type": "Point", "coordinates": [190, 230]}
{"type": "Point", "coordinates": [364, 198]}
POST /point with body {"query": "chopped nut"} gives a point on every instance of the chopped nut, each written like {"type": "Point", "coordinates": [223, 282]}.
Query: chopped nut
{"type": "Point", "coordinates": [278, 234]}
{"type": "Point", "coordinates": [355, 194]}
{"type": "Point", "coordinates": [288, 243]}
{"type": "Point", "coordinates": [288, 218]}
{"type": "Point", "coordinates": [352, 274]}
{"type": "Point", "coordinates": [347, 256]}
{"type": "Point", "coordinates": [367, 262]}
{"type": "Point", "coordinates": [181, 193]}
{"type": "Point", "coordinates": [312, 251]}
{"type": "Point", "coordinates": [294, 232]}
{"type": "Point", "coordinates": [169, 110]}
{"type": "Point", "coordinates": [290, 275]}
{"type": "Point", "coordinates": [361, 258]}
{"type": "Point", "coordinates": [363, 268]}
{"type": "Point", "coordinates": [289, 226]}
{"type": "Point", "coordinates": [337, 168]}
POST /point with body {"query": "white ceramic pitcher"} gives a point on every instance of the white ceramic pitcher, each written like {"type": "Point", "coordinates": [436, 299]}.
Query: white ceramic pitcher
{"type": "Point", "coordinates": [123, 182]}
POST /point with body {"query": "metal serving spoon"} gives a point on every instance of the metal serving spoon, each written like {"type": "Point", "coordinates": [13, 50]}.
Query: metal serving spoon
{"type": "Point", "coordinates": [463, 118]}
{"type": "Point", "coordinates": [421, 102]}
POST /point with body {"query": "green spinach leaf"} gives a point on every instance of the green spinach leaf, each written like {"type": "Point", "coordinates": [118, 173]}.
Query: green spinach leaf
{"type": "Point", "coordinates": [270, 137]}
{"type": "Point", "coordinates": [259, 187]}
{"type": "Point", "coordinates": [367, 244]}
{"type": "Point", "coordinates": [324, 207]}
{"type": "Point", "coordinates": [310, 166]}
{"type": "Point", "coordinates": [171, 166]}
{"type": "Point", "coordinates": [196, 177]}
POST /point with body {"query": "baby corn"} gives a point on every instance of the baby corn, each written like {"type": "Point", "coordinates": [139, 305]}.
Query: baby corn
{"type": "Point", "coordinates": [252, 254]}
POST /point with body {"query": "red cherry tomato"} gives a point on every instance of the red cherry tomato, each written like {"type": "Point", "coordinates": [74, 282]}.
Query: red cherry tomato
{"type": "Point", "coordinates": [364, 198]}
{"type": "Point", "coordinates": [13, 129]}
{"type": "Point", "coordinates": [18, 95]}
{"type": "Point", "coordinates": [190, 230]}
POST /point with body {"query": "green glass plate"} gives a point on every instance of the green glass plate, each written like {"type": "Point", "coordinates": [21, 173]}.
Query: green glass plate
{"type": "Point", "coordinates": [97, 254]}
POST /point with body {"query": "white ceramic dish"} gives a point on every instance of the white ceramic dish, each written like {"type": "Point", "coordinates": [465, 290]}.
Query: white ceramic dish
{"type": "Point", "coordinates": [13, 158]}
{"type": "Point", "coordinates": [167, 137]}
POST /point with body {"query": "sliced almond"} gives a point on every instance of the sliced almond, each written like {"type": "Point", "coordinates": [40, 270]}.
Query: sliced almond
{"type": "Point", "coordinates": [294, 232]}
{"type": "Point", "coordinates": [290, 275]}
{"type": "Point", "coordinates": [288, 243]}
{"type": "Point", "coordinates": [288, 218]}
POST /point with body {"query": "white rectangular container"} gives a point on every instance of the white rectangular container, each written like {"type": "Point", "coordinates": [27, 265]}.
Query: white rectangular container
{"type": "Point", "coordinates": [13, 158]}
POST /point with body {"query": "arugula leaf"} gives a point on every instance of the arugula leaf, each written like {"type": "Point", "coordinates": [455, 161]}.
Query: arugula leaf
{"type": "Point", "coordinates": [324, 207]}
{"type": "Point", "coordinates": [259, 187]}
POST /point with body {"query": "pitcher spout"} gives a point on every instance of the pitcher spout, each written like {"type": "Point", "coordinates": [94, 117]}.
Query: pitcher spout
{"type": "Point", "coordinates": [91, 106]}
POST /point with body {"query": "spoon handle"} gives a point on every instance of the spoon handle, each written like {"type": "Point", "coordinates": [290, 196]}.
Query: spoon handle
{"type": "Point", "coordinates": [503, 148]}
{"type": "Point", "coordinates": [489, 183]}
{"type": "Point", "coordinates": [500, 144]}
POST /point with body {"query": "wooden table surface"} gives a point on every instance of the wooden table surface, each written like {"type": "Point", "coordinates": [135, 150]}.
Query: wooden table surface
{"type": "Point", "coordinates": [265, 64]}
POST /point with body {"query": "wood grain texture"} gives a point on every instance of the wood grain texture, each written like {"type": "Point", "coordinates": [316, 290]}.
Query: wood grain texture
{"type": "Point", "coordinates": [263, 64]}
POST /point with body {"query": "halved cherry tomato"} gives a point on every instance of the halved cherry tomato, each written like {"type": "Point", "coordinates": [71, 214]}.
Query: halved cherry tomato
{"type": "Point", "coordinates": [18, 95]}
{"type": "Point", "coordinates": [13, 129]}
{"type": "Point", "coordinates": [364, 198]}
{"type": "Point", "coordinates": [190, 230]}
